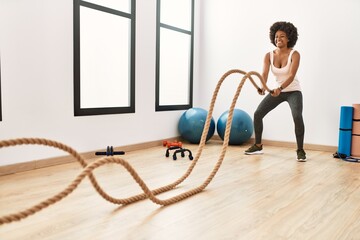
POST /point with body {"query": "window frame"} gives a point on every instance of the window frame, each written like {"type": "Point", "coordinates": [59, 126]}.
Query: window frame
{"type": "Point", "coordinates": [160, 25]}
{"type": "Point", "coordinates": [78, 111]}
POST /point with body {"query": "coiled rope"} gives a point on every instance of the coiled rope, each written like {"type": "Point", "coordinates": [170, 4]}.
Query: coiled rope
{"type": "Point", "coordinates": [147, 193]}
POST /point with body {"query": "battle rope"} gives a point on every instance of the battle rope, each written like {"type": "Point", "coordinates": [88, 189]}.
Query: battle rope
{"type": "Point", "coordinates": [88, 168]}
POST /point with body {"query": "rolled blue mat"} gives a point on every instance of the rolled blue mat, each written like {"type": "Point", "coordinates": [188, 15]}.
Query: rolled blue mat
{"type": "Point", "coordinates": [346, 117]}
{"type": "Point", "coordinates": [345, 142]}
{"type": "Point", "coordinates": [345, 133]}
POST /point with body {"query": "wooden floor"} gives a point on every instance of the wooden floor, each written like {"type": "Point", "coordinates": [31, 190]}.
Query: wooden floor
{"type": "Point", "coordinates": [271, 196]}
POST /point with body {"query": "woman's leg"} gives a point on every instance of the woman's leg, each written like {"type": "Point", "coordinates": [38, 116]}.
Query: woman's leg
{"type": "Point", "coordinates": [295, 101]}
{"type": "Point", "coordinates": [265, 106]}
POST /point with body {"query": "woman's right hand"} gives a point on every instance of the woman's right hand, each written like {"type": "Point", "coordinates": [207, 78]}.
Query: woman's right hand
{"type": "Point", "coordinates": [261, 91]}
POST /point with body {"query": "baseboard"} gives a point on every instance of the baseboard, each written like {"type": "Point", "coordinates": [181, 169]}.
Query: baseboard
{"type": "Point", "coordinates": [307, 146]}
{"type": "Point", "coordinates": [42, 163]}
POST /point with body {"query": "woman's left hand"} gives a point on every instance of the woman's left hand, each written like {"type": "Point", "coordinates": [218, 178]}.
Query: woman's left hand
{"type": "Point", "coordinates": [275, 92]}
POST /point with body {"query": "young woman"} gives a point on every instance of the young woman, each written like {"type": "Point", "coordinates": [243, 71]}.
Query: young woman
{"type": "Point", "coordinates": [284, 62]}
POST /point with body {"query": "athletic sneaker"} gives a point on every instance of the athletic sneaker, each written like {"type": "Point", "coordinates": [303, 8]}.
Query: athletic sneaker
{"type": "Point", "coordinates": [254, 149]}
{"type": "Point", "coordinates": [301, 155]}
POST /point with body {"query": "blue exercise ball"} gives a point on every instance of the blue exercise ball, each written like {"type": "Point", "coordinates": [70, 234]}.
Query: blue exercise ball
{"type": "Point", "coordinates": [191, 125]}
{"type": "Point", "coordinates": [241, 127]}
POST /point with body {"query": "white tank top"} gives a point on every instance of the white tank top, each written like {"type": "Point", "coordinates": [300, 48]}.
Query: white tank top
{"type": "Point", "coordinates": [281, 74]}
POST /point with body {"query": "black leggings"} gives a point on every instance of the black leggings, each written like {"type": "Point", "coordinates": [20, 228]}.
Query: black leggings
{"type": "Point", "coordinates": [295, 101]}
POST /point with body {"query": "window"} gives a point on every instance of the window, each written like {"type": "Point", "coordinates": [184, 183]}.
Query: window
{"type": "Point", "coordinates": [104, 57]}
{"type": "Point", "coordinates": [174, 54]}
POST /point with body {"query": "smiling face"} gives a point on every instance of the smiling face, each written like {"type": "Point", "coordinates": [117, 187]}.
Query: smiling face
{"type": "Point", "coordinates": [281, 39]}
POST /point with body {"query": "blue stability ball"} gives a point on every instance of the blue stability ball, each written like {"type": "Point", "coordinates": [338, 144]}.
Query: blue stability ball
{"type": "Point", "coordinates": [241, 127]}
{"type": "Point", "coordinates": [191, 125]}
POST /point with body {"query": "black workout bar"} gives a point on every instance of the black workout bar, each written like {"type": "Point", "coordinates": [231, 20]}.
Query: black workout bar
{"type": "Point", "coordinates": [109, 154]}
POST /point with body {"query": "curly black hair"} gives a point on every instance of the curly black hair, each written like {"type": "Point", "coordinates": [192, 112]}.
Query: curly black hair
{"type": "Point", "coordinates": [288, 28]}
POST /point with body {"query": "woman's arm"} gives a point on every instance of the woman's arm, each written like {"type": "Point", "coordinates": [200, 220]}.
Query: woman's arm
{"type": "Point", "coordinates": [265, 72]}
{"type": "Point", "coordinates": [295, 62]}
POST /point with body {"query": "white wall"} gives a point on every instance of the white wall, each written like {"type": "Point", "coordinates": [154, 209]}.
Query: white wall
{"type": "Point", "coordinates": [36, 41]}
{"type": "Point", "coordinates": [36, 47]}
{"type": "Point", "coordinates": [234, 34]}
